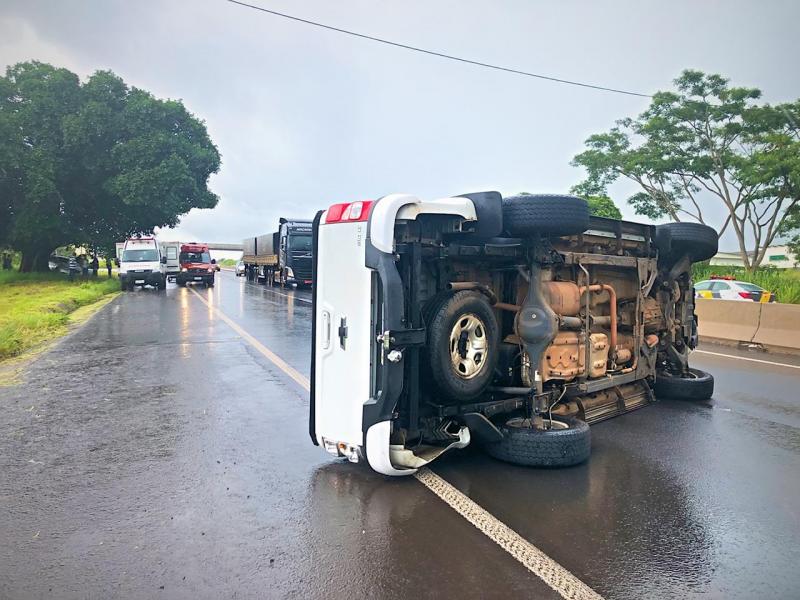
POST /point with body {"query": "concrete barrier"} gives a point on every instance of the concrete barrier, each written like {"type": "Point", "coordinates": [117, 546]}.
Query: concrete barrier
{"type": "Point", "coordinates": [779, 326]}
{"type": "Point", "coordinates": [774, 326]}
{"type": "Point", "coordinates": [727, 319]}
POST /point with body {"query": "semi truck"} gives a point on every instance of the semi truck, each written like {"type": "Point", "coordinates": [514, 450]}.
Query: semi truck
{"type": "Point", "coordinates": [282, 257]}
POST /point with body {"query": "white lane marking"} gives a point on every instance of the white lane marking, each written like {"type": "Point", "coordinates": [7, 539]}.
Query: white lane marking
{"type": "Point", "coordinates": [276, 360]}
{"type": "Point", "coordinates": [553, 574]}
{"type": "Point", "coordinates": [537, 562]}
{"type": "Point", "coordinates": [755, 360]}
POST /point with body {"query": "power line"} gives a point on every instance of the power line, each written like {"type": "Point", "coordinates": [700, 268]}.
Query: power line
{"type": "Point", "coordinates": [439, 54]}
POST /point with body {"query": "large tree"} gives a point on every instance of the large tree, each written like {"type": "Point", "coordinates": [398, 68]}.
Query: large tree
{"type": "Point", "coordinates": [94, 162]}
{"type": "Point", "coordinates": [705, 149]}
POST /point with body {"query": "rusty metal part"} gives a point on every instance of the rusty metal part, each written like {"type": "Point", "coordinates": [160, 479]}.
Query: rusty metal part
{"type": "Point", "coordinates": [652, 315]}
{"type": "Point", "coordinates": [565, 358]}
{"type": "Point", "coordinates": [506, 306]}
{"type": "Point", "coordinates": [473, 285]}
{"type": "Point", "coordinates": [570, 322]}
{"type": "Point", "coordinates": [614, 401]}
{"type": "Point", "coordinates": [612, 295]}
{"type": "Point", "coordinates": [623, 355]}
{"type": "Point", "coordinates": [564, 297]}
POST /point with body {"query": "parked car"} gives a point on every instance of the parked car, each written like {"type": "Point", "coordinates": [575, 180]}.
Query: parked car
{"type": "Point", "coordinates": [240, 269]}
{"type": "Point", "coordinates": [727, 288]}
{"type": "Point", "coordinates": [512, 322]}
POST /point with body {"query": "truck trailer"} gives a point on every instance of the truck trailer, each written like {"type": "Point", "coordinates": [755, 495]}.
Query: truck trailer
{"type": "Point", "coordinates": [282, 257]}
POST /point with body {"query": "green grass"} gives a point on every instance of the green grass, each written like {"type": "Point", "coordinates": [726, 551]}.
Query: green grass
{"type": "Point", "coordinates": [784, 282]}
{"type": "Point", "coordinates": [227, 262]}
{"type": "Point", "coordinates": [36, 307]}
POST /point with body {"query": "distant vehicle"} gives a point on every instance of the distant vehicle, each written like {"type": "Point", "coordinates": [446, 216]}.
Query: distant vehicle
{"type": "Point", "coordinates": [170, 250]}
{"type": "Point", "coordinates": [280, 258]}
{"type": "Point", "coordinates": [58, 263]}
{"type": "Point", "coordinates": [240, 268]}
{"type": "Point", "coordinates": [727, 288]}
{"type": "Point", "coordinates": [196, 265]}
{"type": "Point", "coordinates": [141, 263]}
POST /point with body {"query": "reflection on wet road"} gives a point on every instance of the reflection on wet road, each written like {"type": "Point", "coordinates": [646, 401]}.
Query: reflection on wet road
{"type": "Point", "coordinates": [155, 452]}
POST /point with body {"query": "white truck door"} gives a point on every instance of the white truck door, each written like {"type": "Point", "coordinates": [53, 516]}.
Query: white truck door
{"type": "Point", "coordinates": [343, 335]}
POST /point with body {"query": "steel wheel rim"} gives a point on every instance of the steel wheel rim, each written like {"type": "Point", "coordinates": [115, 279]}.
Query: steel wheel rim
{"type": "Point", "coordinates": [468, 346]}
{"type": "Point", "coordinates": [525, 423]}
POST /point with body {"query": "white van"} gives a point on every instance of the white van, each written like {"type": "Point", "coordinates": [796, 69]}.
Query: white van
{"type": "Point", "coordinates": [170, 251]}
{"type": "Point", "coordinates": [142, 264]}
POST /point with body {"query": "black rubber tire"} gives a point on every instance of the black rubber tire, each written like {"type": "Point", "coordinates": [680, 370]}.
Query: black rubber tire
{"type": "Point", "coordinates": [441, 315]}
{"type": "Point", "coordinates": [673, 240]}
{"type": "Point", "coordinates": [697, 388]}
{"type": "Point", "coordinates": [546, 214]}
{"type": "Point", "coordinates": [181, 283]}
{"type": "Point", "coordinates": [533, 447]}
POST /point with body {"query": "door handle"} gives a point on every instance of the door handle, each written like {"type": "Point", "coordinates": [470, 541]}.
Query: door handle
{"type": "Point", "coordinates": [326, 330]}
{"type": "Point", "coordinates": [343, 332]}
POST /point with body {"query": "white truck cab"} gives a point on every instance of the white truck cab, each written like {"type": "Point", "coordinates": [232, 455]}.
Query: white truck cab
{"type": "Point", "coordinates": [142, 263]}
{"type": "Point", "coordinates": [357, 368]}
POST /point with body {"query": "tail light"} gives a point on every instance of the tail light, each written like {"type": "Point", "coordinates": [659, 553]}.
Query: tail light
{"type": "Point", "coordinates": [349, 212]}
{"type": "Point", "coordinates": [750, 295]}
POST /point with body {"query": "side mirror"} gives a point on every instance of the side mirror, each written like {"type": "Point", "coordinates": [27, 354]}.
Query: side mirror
{"type": "Point", "coordinates": [116, 261]}
{"type": "Point", "coordinates": [213, 261]}
{"type": "Point", "coordinates": [163, 260]}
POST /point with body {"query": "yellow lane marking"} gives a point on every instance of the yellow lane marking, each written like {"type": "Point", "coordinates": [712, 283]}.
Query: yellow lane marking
{"type": "Point", "coordinates": [300, 379]}
{"type": "Point", "coordinates": [537, 562]}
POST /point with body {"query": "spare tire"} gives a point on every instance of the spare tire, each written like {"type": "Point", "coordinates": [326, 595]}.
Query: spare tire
{"type": "Point", "coordinates": [462, 345]}
{"type": "Point", "coordinates": [673, 240]}
{"type": "Point", "coordinates": [568, 443]}
{"type": "Point", "coordinates": [698, 385]}
{"type": "Point", "coordinates": [546, 214]}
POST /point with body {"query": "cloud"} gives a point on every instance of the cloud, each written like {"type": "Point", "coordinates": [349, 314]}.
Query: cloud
{"type": "Point", "coordinates": [304, 118]}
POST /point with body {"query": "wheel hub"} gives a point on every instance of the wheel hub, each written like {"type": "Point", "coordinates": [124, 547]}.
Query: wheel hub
{"type": "Point", "coordinates": [468, 346]}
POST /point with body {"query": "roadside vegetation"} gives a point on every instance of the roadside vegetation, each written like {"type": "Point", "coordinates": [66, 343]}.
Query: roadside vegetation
{"type": "Point", "coordinates": [36, 307]}
{"type": "Point", "coordinates": [784, 282]}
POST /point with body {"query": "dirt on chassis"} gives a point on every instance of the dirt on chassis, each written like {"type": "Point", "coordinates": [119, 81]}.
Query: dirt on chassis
{"type": "Point", "coordinates": [515, 322]}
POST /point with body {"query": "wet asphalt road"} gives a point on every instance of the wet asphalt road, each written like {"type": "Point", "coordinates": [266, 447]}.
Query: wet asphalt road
{"type": "Point", "coordinates": [154, 453]}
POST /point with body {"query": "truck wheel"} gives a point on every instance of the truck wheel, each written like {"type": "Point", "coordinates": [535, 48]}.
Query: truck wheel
{"type": "Point", "coordinates": [673, 240]}
{"type": "Point", "coordinates": [123, 286]}
{"type": "Point", "coordinates": [698, 385]}
{"type": "Point", "coordinates": [181, 283]}
{"type": "Point", "coordinates": [547, 214]}
{"type": "Point", "coordinates": [567, 443]}
{"type": "Point", "coordinates": [462, 349]}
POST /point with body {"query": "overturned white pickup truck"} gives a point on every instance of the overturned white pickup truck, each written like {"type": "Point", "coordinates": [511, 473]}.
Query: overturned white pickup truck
{"type": "Point", "coordinates": [515, 322]}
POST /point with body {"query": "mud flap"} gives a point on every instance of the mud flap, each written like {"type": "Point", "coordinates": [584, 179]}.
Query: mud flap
{"type": "Point", "coordinates": [422, 455]}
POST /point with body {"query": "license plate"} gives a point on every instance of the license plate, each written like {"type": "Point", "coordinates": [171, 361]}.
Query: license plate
{"type": "Point", "coordinates": [198, 279]}
{"type": "Point", "coordinates": [138, 281]}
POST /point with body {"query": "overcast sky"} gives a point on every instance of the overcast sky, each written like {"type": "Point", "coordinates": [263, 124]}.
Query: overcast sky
{"type": "Point", "coordinates": [305, 117]}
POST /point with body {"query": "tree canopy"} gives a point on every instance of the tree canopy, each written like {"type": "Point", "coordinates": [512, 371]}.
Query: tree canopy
{"type": "Point", "coordinates": [94, 162]}
{"type": "Point", "coordinates": [707, 144]}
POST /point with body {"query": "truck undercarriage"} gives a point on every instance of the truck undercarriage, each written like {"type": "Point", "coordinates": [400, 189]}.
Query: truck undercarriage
{"type": "Point", "coordinates": [535, 331]}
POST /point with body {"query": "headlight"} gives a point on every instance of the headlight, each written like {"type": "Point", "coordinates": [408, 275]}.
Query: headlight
{"type": "Point", "coordinates": [289, 272]}
{"type": "Point", "coordinates": [184, 269]}
{"type": "Point", "coordinates": [210, 269]}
